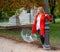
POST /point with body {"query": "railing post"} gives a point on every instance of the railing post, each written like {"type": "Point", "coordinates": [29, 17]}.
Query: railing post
{"type": "Point", "coordinates": [29, 11]}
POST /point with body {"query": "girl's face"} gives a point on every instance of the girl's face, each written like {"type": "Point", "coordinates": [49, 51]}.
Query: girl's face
{"type": "Point", "coordinates": [39, 10]}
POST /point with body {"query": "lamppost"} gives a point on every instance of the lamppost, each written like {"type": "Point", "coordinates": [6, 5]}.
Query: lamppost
{"type": "Point", "coordinates": [46, 42]}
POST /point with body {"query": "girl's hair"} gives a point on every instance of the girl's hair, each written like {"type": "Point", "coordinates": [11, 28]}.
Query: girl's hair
{"type": "Point", "coordinates": [41, 9]}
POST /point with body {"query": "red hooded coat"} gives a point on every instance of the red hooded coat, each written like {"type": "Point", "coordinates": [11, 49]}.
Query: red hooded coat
{"type": "Point", "coordinates": [42, 24]}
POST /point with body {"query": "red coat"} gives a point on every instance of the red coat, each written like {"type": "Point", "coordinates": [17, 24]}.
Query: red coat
{"type": "Point", "coordinates": [42, 24]}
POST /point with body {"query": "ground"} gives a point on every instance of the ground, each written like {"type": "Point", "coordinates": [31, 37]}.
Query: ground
{"type": "Point", "coordinates": [7, 45]}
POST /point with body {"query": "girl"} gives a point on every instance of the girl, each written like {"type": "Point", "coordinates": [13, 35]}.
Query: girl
{"type": "Point", "coordinates": [39, 23]}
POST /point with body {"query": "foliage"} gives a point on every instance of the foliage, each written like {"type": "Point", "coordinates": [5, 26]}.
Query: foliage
{"type": "Point", "coordinates": [10, 6]}
{"type": "Point", "coordinates": [55, 6]}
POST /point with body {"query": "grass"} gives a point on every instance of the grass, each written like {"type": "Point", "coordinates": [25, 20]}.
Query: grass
{"type": "Point", "coordinates": [11, 33]}
{"type": "Point", "coordinates": [57, 20]}
{"type": "Point", "coordinates": [2, 20]}
{"type": "Point", "coordinates": [54, 33]}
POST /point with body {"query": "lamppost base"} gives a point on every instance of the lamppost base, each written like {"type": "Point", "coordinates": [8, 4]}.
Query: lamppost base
{"type": "Point", "coordinates": [46, 47]}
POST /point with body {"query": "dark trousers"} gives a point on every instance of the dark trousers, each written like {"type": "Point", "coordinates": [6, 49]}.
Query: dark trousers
{"type": "Point", "coordinates": [41, 37]}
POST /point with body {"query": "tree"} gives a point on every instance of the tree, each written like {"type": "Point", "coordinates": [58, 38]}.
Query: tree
{"type": "Point", "coordinates": [57, 8]}
{"type": "Point", "coordinates": [54, 9]}
{"type": "Point", "coordinates": [52, 4]}
{"type": "Point", "coordinates": [10, 6]}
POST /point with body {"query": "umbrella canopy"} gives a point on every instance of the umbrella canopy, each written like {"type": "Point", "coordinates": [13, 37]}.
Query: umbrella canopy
{"type": "Point", "coordinates": [28, 36]}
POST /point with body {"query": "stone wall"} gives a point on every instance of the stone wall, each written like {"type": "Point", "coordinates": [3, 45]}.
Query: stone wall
{"type": "Point", "coordinates": [23, 19]}
{"type": "Point", "coordinates": [27, 18]}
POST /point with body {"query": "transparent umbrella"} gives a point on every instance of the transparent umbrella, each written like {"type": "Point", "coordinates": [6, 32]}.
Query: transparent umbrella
{"type": "Point", "coordinates": [28, 36]}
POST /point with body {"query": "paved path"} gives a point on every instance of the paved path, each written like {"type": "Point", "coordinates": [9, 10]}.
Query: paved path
{"type": "Point", "coordinates": [7, 45]}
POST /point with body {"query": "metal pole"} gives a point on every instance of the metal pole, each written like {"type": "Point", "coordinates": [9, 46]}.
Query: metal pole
{"type": "Point", "coordinates": [46, 42]}
{"type": "Point", "coordinates": [29, 11]}
{"type": "Point", "coordinates": [46, 6]}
